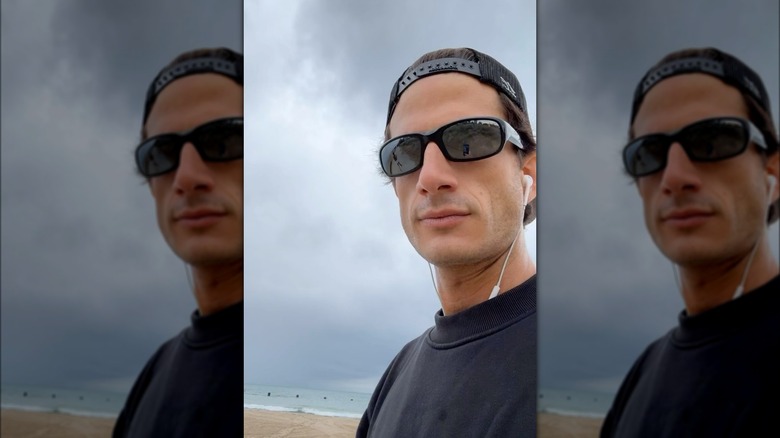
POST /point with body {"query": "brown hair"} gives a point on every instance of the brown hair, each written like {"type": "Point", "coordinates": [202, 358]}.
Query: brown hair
{"type": "Point", "coordinates": [516, 118]}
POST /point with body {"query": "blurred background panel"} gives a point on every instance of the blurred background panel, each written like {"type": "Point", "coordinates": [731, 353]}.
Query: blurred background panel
{"type": "Point", "coordinates": [89, 287]}
{"type": "Point", "coordinates": [605, 290]}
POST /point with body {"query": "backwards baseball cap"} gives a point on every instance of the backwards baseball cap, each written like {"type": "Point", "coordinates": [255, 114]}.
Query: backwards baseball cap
{"type": "Point", "coordinates": [723, 66]}
{"type": "Point", "coordinates": [485, 68]}
{"type": "Point", "coordinates": [728, 69]}
{"type": "Point", "coordinates": [221, 61]}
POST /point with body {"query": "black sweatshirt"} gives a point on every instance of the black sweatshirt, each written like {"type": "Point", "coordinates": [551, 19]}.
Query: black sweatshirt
{"type": "Point", "coordinates": [717, 374]}
{"type": "Point", "coordinates": [471, 375]}
{"type": "Point", "coordinates": [193, 386]}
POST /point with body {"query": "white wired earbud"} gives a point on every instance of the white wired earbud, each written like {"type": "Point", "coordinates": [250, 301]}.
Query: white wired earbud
{"type": "Point", "coordinates": [772, 181]}
{"type": "Point", "coordinates": [528, 182]}
{"type": "Point", "coordinates": [188, 274]}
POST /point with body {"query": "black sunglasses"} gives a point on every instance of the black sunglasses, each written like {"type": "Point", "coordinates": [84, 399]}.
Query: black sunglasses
{"type": "Point", "coordinates": [706, 140]}
{"type": "Point", "coordinates": [218, 140]}
{"type": "Point", "coordinates": [462, 140]}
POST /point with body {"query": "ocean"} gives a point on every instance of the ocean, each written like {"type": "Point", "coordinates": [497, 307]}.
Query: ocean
{"type": "Point", "coordinates": [68, 401]}
{"type": "Point", "coordinates": [310, 401]}
{"type": "Point", "coordinates": [272, 398]}
{"type": "Point", "coordinates": [574, 403]}
{"type": "Point", "coordinates": [352, 404]}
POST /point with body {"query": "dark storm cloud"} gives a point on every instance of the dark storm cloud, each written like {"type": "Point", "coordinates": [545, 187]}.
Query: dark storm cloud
{"type": "Point", "coordinates": [89, 287]}
{"type": "Point", "coordinates": [618, 291]}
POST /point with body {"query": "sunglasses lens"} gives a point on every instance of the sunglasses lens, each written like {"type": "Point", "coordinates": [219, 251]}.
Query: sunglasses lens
{"type": "Point", "coordinates": [158, 155]}
{"type": "Point", "coordinates": [472, 139]}
{"type": "Point", "coordinates": [714, 140]}
{"type": "Point", "coordinates": [401, 155]}
{"type": "Point", "coordinates": [646, 155]}
{"type": "Point", "coordinates": [221, 142]}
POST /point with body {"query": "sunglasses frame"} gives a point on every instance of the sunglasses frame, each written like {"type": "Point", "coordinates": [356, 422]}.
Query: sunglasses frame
{"type": "Point", "coordinates": [143, 149]}
{"type": "Point", "coordinates": [753, 135]}
{"type": "Point", "coordinates": [508, 134]}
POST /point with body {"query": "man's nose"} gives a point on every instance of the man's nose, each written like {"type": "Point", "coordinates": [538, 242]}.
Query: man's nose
{"type": "Point", "coordinates": [437, 172]}
{"type": "Point", "coordinates": [680, 172]}
{"type": "Point", "coordinates": [193, 173]}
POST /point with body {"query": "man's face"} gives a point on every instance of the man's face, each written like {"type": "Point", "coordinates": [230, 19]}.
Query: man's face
{"type": "Point", "coordinates": [701, 213]}
{"type": "Point", "coordinates": [457, 213]}
{"type": "Point", "coordinates": [199, 204]}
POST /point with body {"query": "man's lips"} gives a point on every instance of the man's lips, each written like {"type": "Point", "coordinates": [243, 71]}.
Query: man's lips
{"type": "Point", "coordinates": [443, 217]}
{"type": "Point", "coordinates": [686, 217]}
{"type": "Point", "coordinates": [198, 216]}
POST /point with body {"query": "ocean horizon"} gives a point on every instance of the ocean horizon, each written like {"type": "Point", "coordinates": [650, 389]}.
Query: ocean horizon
{"type": "Point", "coordinates": [326, 403]}
{"type": "Point", "coordinates": [588, 404]}
{"type": "Point", "coordinates": [331, 403]}
{"type": "Point", "coordinates": [83, 403]}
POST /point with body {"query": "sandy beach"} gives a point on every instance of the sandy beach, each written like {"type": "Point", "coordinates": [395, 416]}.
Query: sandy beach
{"type": "Point", "coordinates": [267, 424]}
{"type": "Point", "coordinates": [564, 426]}
{"type": "Point", "coordinates": [259, 423]}
{"type": "Point", "coordinates": [24, 424]}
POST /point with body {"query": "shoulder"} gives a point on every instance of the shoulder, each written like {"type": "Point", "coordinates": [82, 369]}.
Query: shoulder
{"type": "Point", "coordinates": [397, 365]}
{"type": "Point", "coordinates": [403, 358]}
{"type": "Point", "coordinates": [158, 359]}
{"type": "Point", "coordinates": [648, 356]}
{"type": "Point", "coordinates": [630, 382]}
{"type": "Point", "coordinates": [143, 381]}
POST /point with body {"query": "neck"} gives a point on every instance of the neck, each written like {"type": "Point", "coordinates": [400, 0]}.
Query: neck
{"type": "Point", "coordinates": [465, 286]}
{"type": "Point", "coordinates": [706, 287]}
{"type": "Point", "coordinates": [217, 287]}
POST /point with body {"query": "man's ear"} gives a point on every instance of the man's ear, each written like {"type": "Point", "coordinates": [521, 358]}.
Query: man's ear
{"type": "Point", "coordinates": [772, 167]}
{"type": "Point", "coordinates": [529, 168]}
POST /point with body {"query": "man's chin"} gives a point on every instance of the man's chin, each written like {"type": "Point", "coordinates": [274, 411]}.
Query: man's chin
{"type": "Point", "coordinates": [448, 256]}
{"type": "Point", "coordinates": [201, 256]}
{"type": "Point", "coordinates": [685, 253]}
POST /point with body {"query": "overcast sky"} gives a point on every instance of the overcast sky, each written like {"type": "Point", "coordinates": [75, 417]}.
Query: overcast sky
{"type": "Point", "coordinates": [89, 287]}
{"type": "Point", "coordinates": [605, 289]}
{"type": "Point", "coordinates": [333, 287]}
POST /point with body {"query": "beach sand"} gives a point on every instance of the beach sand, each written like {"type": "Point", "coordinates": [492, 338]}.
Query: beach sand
{"type": "Point", "coordinates": [259, 423]}
{"type": "Point", "coordinates": [564, 426]}
{"type": "Point", "coordinates": [23, 424]}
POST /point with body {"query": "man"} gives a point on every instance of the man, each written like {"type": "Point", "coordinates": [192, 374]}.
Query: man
{"type": "Point", "coordinates": [461, 159]}
{"type": "Point", "coordinates": [704, 154]}
{"type": "Point", "coordinates": [192, 157]}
